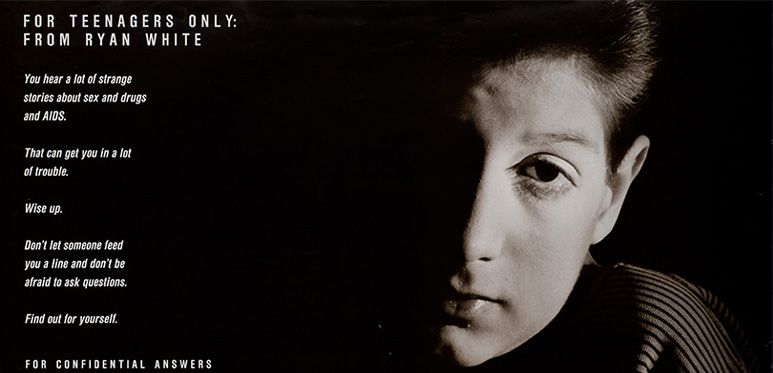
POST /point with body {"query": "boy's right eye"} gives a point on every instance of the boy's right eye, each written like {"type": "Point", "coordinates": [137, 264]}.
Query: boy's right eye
{"type": "Point", "coordinates": [542, 176]}
{"type": "Point", "coordinates": [542, 171]}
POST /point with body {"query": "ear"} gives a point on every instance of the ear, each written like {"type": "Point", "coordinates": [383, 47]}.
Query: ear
{"type": "Point", "coordinates": [618, 185]}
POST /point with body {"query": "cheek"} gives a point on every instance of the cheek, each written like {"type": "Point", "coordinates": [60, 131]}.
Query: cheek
{"type": "Point", "coordinates": [544, 266]}
{"type": "Point", "coordinates": [549, 248]}
{"type": "Point", "coordinates": [569, 222]}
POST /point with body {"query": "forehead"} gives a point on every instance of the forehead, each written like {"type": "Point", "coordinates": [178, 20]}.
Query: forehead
{"type": "Point", "coordinates": [535, 101]}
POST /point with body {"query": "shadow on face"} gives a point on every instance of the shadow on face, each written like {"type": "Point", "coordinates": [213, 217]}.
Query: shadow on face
{"type": "Point", "coordinates": [509, 183]}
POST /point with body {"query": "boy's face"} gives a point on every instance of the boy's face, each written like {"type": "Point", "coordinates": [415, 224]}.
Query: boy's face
{"type": "Point", "coordinates": [540, 195]}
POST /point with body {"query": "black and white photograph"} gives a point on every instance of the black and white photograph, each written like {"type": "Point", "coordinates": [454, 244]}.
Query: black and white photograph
{"type": "Point", "coordinates": [413, 186]}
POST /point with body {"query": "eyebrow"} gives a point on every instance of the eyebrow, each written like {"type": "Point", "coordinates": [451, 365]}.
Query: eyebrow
{"type": "Point", "coordinates": [547, 138]}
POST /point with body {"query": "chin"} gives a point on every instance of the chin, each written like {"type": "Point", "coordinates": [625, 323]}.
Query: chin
{"type": "Point", "coordinates": [468, 347]}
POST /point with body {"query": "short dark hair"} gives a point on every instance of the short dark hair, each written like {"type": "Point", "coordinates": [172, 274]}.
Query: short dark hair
{"type": "Point", "coordinates": [612, 41]}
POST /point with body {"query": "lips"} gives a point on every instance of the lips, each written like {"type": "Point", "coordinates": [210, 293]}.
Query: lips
{"type": "Point", "coordinates": [469, 306]}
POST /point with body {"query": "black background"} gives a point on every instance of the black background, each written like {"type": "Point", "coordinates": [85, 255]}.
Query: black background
{"type": "Point", "coordinates": [268, 206]}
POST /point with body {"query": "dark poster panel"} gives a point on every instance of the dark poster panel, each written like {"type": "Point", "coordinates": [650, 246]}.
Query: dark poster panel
{"type": "Point", "coordinates": [274, 188]}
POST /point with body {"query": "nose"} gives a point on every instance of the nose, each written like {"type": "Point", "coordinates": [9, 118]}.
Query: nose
{"type": "Point", "coordinates": [484, 234]}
